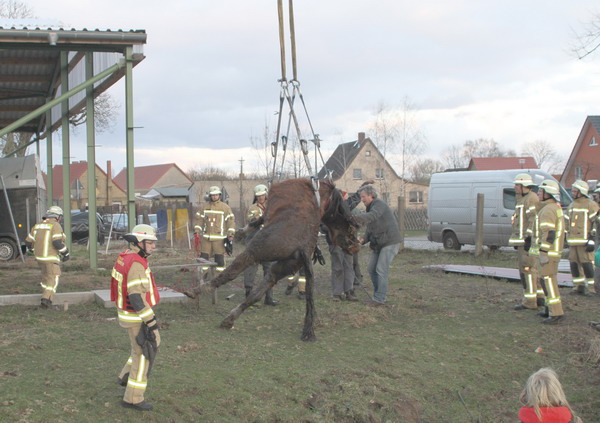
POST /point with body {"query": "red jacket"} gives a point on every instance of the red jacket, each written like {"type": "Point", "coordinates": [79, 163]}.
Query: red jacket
{"type": "Point", "coordinates": [118, 286]}
{"type": "Point", "coordinates": [549, 415]}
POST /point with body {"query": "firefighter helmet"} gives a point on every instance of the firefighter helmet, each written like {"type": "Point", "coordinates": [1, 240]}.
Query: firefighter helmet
{"type": "Point", "coordinates": [260, 190]}
{"type": "Point", "coordinates": [524, 179]}
{"type": "Point", "coordinates": [54, 211]}
{"type": "Point", "coordinates": [141, 233]}
{"type": "Point", "coordinates": [551, 188]}
{"type": "Point", "coordinates": [214, 190]}
{"type": "Point", "coordinates": [582, 187]}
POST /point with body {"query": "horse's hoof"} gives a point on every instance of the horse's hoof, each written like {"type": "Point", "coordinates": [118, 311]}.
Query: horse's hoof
{"type": "Point", "coordinates": [190, 294]}
{"type": "Point", "coordinates": [308, 338]}
{"type": "Point", "coordinates": [226, 325]}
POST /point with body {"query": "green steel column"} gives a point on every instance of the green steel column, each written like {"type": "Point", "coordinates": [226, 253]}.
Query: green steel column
{"type": "Point", "coordinates": [49, 180]}
{"type": "Point", "coordinates": [91, 161]}
{"type": "Point", "coordinates": [129, 136]}
{"type": "Point", "coordinates": [66, 150]}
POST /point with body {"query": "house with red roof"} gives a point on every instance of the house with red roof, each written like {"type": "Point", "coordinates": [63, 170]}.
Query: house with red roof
{"type": "Point", "coordinates": [167, 175]}
{"type": "Point", "coordinates": [584, 161]}
{"type": "Point", "coordinates": [501, 163]}
{"type": "Point", "coordinates": [107, 192]}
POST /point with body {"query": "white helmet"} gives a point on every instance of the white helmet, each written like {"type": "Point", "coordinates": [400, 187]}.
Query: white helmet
{"type": "Point", "coordinates": [524, 179]}
{"type": "Point", "coordinates": [214, 190]}
{"type": "Point", "coordinates": [551, 187]}
{"type": "Point", "coordinates": [260, 190]}
{"type": "Point", "coordinates": [55, 212]}
{"type": "Point", "coordinates": [141, 233]}
{"type": "Point", "coordinates": [582, 187]}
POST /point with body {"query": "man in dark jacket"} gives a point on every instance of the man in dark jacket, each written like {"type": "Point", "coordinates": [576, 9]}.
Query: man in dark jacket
{"type": "Point", "coordinates": [383, 236]}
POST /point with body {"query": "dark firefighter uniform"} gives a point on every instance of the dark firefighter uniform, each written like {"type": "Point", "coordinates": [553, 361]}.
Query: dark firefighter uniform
{"type": "Point", "coordinates": [523, 221]}
{"type": "Point", "coordinates": [132, 275]}
{"type": "Point", "coordinates": [580, 221]}
{"type": "Point", "coordinates": [48, 241]}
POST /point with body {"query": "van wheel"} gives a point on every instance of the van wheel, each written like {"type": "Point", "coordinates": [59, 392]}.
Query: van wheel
{"type": "Point", "coordinates": [450, 241]}
{"type": "Point", "coordinates": [8, 249]}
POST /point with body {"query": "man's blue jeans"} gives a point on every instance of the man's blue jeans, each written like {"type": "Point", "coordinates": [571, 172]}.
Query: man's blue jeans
{"type": "Point", "coordinates": [378, 268]}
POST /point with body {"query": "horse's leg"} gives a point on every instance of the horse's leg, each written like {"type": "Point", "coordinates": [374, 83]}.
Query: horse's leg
{"type": "Point", "coordinates": [277, 271]}
{"type": "Point", "coordinates": [308, 333]}
{"type": "Point", "coordinates": [241, 263]}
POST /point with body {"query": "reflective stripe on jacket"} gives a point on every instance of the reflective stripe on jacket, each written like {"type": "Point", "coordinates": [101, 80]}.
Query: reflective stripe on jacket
{"type": "Point", "coordinates": [580, 217]}
{"type": "Point", "coordinates": [215, 220]}
{"type": "Point", "coordinates": [42, 236]}
{"type": "Point", "coordinates": [550, 218]}
{"type": "Point", "coordinates": [523, 218]}
{"type": "Point", "coordinates": [120, 288]}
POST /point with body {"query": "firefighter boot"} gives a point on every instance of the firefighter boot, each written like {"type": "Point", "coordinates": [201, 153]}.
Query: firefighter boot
{"type": "Point", "coordinates": [552, 320]}
{"type": "Point", "coordinates": [269, 300]}
{"type": "Point", "coordinates": [46, 303]}
{"type": "Point", "coordinates": [544, 313]}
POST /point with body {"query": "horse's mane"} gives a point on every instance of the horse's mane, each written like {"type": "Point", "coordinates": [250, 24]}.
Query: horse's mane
{"type": "Point", "coordinates": [337, 207]}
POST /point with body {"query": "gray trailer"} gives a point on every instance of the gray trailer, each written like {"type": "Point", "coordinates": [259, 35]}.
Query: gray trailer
{"type": "Point", "coordinates": [26, 193]}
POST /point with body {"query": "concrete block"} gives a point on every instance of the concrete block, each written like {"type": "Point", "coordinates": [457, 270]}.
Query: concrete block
{"type": "Point", "coordinates": [167, 295]}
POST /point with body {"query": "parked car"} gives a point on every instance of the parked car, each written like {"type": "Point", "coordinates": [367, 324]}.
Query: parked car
{"type": "Point", "coordinates": [151, 217]}
{"type": "Point", "coordinates": [119, 223]}
{"type": "Point", "coordinates": [452, 205]}
{"type": "Point", "coordinates": [80, 227]}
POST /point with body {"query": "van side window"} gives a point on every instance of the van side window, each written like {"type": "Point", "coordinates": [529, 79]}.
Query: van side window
{"type": "Point", "coordinates": [509, 199]}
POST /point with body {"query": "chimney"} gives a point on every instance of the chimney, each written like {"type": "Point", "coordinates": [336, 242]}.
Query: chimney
{"type": "Point", "coordinates": [108, 182]}
{"type": "Point", "coordinates": [361, 137]}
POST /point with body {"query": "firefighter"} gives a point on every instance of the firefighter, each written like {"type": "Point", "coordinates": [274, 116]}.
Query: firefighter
{"type": "Point", "coordinates": [522, 223]}
{"type": "Point", "coordinates": [48, 243]}
{"type": "Point", "coordinates": [255, 211]}
{"type": "Point", "coordinates": [215, 222]}
{"type": "Point", "coordinates": [134, 292]}
{"type": "Point", "coordinates": [580, 227]}
{"type": "Point", "coordinates": [548, 246]}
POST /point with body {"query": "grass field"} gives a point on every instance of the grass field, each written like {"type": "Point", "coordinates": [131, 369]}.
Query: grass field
{"type": "Point", "coordinates": [447, 348]}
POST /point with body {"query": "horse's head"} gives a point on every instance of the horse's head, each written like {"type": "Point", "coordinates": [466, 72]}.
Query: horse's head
{"type": "Point", "coordinates": [336, 215]}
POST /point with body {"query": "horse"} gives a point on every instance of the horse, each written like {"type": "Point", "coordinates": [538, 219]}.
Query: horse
{"type": "Point", "coordinates": [288, 239]}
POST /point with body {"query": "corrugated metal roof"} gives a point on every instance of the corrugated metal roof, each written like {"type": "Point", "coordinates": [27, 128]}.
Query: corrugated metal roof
{"type": "Point", "coordinates": [30, 66]}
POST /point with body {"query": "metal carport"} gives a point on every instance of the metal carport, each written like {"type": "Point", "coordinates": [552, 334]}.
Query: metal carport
{"type": "Point", "coordinates": [47, 74]}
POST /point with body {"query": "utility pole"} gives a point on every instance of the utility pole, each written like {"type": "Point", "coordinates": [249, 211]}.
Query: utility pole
{"type": "Point", "coordinates": [242, 205]}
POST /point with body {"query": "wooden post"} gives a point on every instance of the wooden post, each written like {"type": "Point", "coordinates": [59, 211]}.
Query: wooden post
{"type": "Point", "coordinates": [401, 220]}
{"type": "Point", "coordinates": [479, 226]}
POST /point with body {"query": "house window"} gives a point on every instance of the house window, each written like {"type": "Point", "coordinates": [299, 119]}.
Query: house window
{"type": "Point", "coordinates": [368, 153]}
{"type": "Point", "coordinates": [593, 142]}
{"type": "Point", "coordinates": [578, 172]}
{"type": "Point", "coordinates": [357, 173]}
{"type": "Point", "coordinates": [379, 173]}
{"type": "Point", "coordinates": [386, 197]}
{"type": "Point", "coordinates": [415, 197]}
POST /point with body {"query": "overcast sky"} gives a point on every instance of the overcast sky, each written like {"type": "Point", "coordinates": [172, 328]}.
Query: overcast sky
{"type": "Point", "coordinates": [474, 69]}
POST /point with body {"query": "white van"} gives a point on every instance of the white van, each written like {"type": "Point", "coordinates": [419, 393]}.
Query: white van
{"type": "Point", "coordinates": [452, 207]}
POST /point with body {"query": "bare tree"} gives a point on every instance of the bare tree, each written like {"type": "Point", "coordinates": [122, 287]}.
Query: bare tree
{"type": "Point", "coordinates": [587, 40]}
{"type": "Point", "coordinates": [396, 132]}
{"type": "Point", "coordinates": [105, 113]}
{"type": "Point", "coordinates": [208, 173]}
{"type": "Point", "coordinates": [422, 169]}
{"type": "Point", "coordinates": [458, 157]}
{"type": "Point", "coordinates": [13, 9]}
{"type": "Point", "coordinates": [262, 146]}
{"type": "Point", "coordinates": [542, 152]}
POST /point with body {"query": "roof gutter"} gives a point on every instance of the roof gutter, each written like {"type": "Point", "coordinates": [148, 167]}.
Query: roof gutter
{"type": "Point", "coordinates": [54, 37]}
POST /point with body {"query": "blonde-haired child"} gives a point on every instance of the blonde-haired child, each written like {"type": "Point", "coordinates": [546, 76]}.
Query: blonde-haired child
{"type": "Point", "coordinates": [544, 400]}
